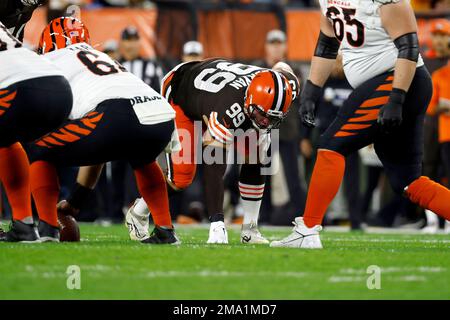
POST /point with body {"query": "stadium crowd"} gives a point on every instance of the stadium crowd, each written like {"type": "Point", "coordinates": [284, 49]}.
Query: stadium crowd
{"type": "Point", "coordinates": [366, 197]}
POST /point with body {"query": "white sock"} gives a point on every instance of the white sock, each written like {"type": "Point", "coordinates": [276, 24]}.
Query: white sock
{"type": "Point", "coordinates": [251, 198]}
{"type": "Point", "coordinates": [432, 218]}
{"type": "Point", "coordinates": [140, 208]}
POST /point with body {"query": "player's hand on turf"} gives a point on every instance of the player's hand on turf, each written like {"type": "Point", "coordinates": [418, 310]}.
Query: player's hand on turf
{"type": "Point", "coordinates": [311, 93]}
{"type": "Point", "coordinates": [390, 116]}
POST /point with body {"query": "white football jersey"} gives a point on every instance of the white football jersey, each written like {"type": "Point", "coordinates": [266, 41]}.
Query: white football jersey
{"type": "Point", "coordinates": [367, 48]}
{"type": "Point", "coordinates": [94, 77]}
{"type": "Point", "coordinates": [18, 63]}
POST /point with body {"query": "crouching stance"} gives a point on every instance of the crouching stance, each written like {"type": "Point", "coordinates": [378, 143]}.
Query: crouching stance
{"type": "Point", "coordinates": [387, 107]}
{"type": "Point", "coordinates": [35, 98]}
{"type": "Point", "coordinates": [115, 116]}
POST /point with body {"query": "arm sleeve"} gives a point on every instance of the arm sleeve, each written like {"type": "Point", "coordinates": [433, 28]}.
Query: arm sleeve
{"type": "Point", "coordinates": [214, 187]}
{"type": "Point", "coordinates": [218, 130]}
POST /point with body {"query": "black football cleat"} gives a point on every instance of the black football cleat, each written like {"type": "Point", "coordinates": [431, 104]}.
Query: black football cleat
{"type": "Point", "coordinates": [48, 233]}
{"type": "Point", "coordinates": [162, 236]}
{"type": "Point", "coordinates": [20, 232]}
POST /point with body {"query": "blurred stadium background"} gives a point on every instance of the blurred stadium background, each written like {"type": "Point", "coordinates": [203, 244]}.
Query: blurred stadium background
{"type": "Point", "coordinates": [151, 37]}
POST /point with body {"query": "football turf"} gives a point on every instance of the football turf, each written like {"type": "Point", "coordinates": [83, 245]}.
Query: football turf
{"type": "Point", "coordinates": [112, 267]}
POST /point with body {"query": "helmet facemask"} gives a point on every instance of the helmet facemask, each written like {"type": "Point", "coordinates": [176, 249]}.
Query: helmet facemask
{"type": "Point", "coordinates": [264, 120]}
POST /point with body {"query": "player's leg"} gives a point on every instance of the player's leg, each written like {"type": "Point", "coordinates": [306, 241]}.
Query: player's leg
{"type": "Point", "coordinates": [402, 152]}
{"type": "Point", "coordinates": [355, 127]}
{"type": "Point", "coordinates": [28, 110]}
{"type": "Point", "coordinates": [100, 136]}
{"type": "Point", "coordinates": [179, 175]}
{"type": "Point", "coordinates": [151, 181]}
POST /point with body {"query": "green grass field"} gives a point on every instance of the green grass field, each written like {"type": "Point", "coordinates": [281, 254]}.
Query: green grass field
{"type": "Point", "coordinates": [112, 267]}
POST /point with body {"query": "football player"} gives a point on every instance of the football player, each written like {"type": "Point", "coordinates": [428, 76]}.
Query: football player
{"type": "Point", "coordinates": [114, 115]}
{"type": "Point", "coordinates": [392, 89]}
{"type": "Point", "coordinates": [35, 98]}
{"type": "Point", "coordinates": [225, 96]}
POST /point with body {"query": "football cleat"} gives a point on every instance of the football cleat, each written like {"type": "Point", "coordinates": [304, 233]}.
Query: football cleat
{"type": "Point", "coordinates": [301, 237]}
{"type": "Point", "coordinates": [162, 236]}
{"type": "Point", "coordinates": [218, 233]}
{"type": "Point", "coordinates": [21, 232]}
{"type": "Point", "coordinates": [138, 225]}
{"type": "Point", "coordinates": [48, 233]}
{"type": "Point", "coordinates": [251, 235]}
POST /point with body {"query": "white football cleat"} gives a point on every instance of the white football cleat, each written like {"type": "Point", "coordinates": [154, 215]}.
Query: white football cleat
{"type": "Point", "coordinates": [432, 225]}
{"type": "Point", "coordinates": [251, 235]}
{"type": "Point", "coordinates": [301, 237]}
{"type": "Point", "coordinates": [138, 225]}
{"type": "Point", "coordinates": [218, 233]}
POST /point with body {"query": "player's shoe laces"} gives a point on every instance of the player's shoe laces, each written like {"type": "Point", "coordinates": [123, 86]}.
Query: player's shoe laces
{"type": "Point", "coordinates": [21, 232]}
{"type": "Point", "coordinates": [301, 237]}
{"type": "Point", "coordinates": [138, 225]}
{"type": "Point", "coordinates": [251, 235]}
{"type": "Point", "coordinates": [162, 236]}
{"type": "Point", "coordinates": [218, 233]}
{"type": "Point", "coordinates": [48, 233]}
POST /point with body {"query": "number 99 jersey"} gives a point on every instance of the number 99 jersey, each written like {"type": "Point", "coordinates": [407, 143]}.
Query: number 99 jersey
{"type": "Point", "coordinates": [367, 48]}
{"type": "Point", "coordinates": [94, 77]}
{"type": "Point", "coordinates": [214, 88]}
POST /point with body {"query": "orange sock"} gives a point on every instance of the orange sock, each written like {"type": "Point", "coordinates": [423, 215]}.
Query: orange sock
{"type": "Point", "coordinates": [45, 190]}
{"type": "Point", "coordinates": [15, 175]}
{"type": "Point", "coordinates": [325, 182]}
{"type": "Point", "coordinates": [152, 186]}
{"type": "Point", "coordinates": [430, 195]}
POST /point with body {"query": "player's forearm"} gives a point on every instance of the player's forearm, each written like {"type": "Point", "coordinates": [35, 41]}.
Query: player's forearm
{"type": "Point", "coordinates": [325, 54]}
{"type": "Point", "coordinates": [320, 70]}
{"type": "Point", "coordinates": [214, 188]}
{"type": "Point", "coordinates": [88, 176]}
{"type": "Point", "coordinates": [400, 23]}
{"type": "Point", "coordinates": [404, 74]}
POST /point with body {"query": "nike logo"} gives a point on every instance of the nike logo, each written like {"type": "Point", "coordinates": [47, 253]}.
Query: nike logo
{"type": "Point", "coordinates": [246, 238]}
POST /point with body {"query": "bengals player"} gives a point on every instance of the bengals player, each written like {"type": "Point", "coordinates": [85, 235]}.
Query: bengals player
{"type": "Point", "coordinates": [114, 114]}
{"type": "Point", "coordinates": [224, 97]}
{"type": "Point", "coordinates": [392, 89]}
{"type": "Point", "coordinates": [35, 98]}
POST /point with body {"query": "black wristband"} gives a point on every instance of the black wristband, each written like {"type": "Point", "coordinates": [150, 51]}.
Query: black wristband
{"type": "Point", "coordinates": [79, 196]}
{"type": "Point", "coordinates": [217, 217]}
{"type": "Point", "coordinates": [327, 47]}
{"type": "Point", "coordinates": [397, 96]}
{"type": "Point", "coordinates": [311, 92]}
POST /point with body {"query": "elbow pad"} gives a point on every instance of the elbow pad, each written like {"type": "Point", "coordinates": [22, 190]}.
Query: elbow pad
{"type": "Point", "coordinates": [408, 46]}
{"type": "Point", "coordinates": [327, 47]}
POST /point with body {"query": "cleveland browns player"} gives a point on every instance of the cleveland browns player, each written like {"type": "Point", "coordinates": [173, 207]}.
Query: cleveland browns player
{"type": "Point", "coordinates": [35, 98]}
{"type": "Point", "coordinates": [223, 97]}
{"type": "Point", "coordinates": [392, 89]}
{"type": "Point", "coordinates": [114, 114]}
